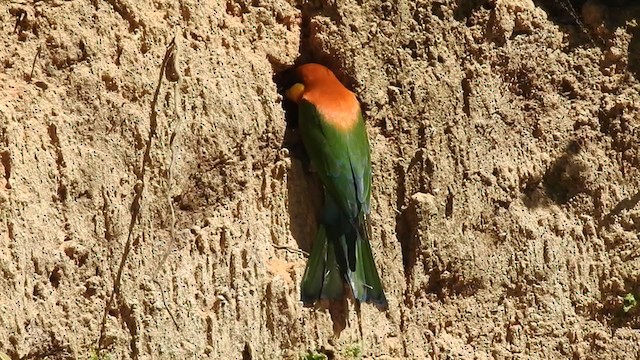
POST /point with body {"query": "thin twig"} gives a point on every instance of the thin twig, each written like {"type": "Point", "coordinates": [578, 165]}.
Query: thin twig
{"type": "Point", "coordinates": [164, 301]}
{"type": "Point", "coordinates": [33, 65]}
{"type": "Point", "coordinates": [173, 74]}
{"type": "Point", "coordinates": [135, 205]}
{"type": "Point", "coordinates": [291, 249]}
{"type": "Point", "coordinates": [567, 6]}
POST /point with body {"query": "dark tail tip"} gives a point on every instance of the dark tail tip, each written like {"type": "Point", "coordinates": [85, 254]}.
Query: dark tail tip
{"type": "Point", "coordinates": [379, 300]}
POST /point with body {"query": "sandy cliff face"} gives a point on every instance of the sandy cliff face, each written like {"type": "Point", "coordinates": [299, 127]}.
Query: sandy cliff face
{"type": "Point", "coordinates": [505, 151]}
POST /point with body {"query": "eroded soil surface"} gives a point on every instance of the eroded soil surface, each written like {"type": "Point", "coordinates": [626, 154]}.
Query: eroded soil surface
{"type": "Point", "coordinates": [505, 145]}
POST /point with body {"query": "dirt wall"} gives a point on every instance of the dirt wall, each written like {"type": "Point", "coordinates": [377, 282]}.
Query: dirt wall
{"type": "Point", "coordinates": [505, 152]}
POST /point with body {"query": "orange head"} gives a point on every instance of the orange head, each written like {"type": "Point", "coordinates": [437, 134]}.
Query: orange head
{"type": "Point", "coordinates": [320, 87]}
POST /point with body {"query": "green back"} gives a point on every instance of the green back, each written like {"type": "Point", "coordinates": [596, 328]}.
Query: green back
{"type": "Point", "coordinates": [342, 160]}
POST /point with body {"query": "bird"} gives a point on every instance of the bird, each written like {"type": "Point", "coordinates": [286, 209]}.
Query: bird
{"type": "Point", "coordinates": [334, 136]}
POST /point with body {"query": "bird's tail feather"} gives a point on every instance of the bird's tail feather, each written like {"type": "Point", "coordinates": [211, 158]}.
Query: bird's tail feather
{"type": "Point", "coordinates": [342, 252]}
{"type": "Point", "coordinates": [322, 277]}
{"type": "Point", "coordinates": [362, 273]}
